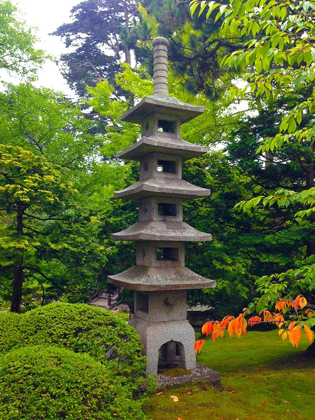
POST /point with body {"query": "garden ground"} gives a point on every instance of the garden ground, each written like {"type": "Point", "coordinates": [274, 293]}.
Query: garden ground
{"type": "Point", "coordinates": [262, 378]}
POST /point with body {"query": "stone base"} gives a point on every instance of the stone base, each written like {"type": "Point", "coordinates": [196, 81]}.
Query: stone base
{"type": "Point", "coordinates": [200, 374]}
{"type": "Point", "coordinates": [172, 335]}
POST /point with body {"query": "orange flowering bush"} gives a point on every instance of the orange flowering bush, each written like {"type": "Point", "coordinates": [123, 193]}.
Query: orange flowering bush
{"type": "Point", "coordinates": [291, 318]}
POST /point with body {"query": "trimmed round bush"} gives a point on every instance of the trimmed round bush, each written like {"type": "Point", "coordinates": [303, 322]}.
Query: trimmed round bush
{"type": "Point", "coordinates": [10, 335]}
{"type": "Point", "coordinates": [86, 329]}
{"type": "Point", "coordinates": [53, 383]}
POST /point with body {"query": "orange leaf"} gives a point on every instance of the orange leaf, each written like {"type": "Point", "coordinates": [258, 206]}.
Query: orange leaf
{"type": "Point", "coordinates": [207, 328]}
{"type": "Point", "coordinates": [279, 320]}
{"type": "Point", "coordinates": [174, 398]}
{"type": "Point", "coordinates": [284, 336]}
{"type": "Point", "coordinates": [265, 403]}
{"type": "Point", "coordinates": [226, 320]}
{"type": "Point", "coordinates": [198, 345]}
{"type": "Point", "coordinates": [243, 325]}
{"type": "Point", "coordinates": [295, 335]}
{"type": "Point", "coordinates": [254, 320]}
{"type": "Point", "coordinates": [303, 302]}
{"type": "Point", "coordinates": [218, 333]}
{"type": "Point", "coordinates": [231, 328]}
{"type": "Point", "coordinates": [309, 333]}
{"type": "Point", "coordinates": [296, 303]}
{"type": "Point", "coordinates": [281, 305]}
{"type": "Point", "coordinates": [291, 326]}
{"type": "Point", "coordinates": [159, 393]}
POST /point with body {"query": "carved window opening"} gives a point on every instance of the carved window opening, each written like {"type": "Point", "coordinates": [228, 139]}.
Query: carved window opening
{"type": "Point", "coordinates": [166, 126]}
{"type": "Point", "coordinates": [165, 209]}
{"type": "Point", "coordinates": [171, 354]}
{"type": "Point", "coordinates": [167, 254]}
{"type": "Point", "coordinates": [167, 166]}
{"type": "Point", "coordinates": [143, 302]}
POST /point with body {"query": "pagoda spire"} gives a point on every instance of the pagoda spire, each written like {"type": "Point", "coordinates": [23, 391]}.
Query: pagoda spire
{"type": "Point", "coordinates": [160, 64]}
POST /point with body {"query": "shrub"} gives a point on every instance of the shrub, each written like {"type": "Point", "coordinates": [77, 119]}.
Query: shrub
{"type": "Point", "coordinates": [10, 336]}
{"type": "Point", "coordinates": [83, 328]}
{"type": "Point", "coordinates": [55, 383]}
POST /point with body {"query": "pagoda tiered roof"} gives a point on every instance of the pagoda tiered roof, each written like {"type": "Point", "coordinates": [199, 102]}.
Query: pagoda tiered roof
{"type": "Point", "coordinates": [160, 187]}
{"type": "Point", "coordinates": [146, 279]}
{"type": "Point", "coordinates": [162, 104]}
{"type": "Point", "coordinates": [156, 143]}
{"type": "Point", "coordinates": [162, 231]}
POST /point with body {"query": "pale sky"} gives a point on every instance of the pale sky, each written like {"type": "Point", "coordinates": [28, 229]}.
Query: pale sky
{"type": "Point", "coordinates": [47, 16]}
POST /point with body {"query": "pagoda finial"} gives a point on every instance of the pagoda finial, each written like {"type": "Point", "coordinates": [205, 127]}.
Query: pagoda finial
{"type": "Point", "coordinates": [160, 77]}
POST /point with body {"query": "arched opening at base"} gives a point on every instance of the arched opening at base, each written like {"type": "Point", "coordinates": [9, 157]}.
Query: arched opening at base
{"type": "Point", "coordinates": [172, 355]}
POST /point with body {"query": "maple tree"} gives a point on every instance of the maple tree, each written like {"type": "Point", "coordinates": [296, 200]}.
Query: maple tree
{"type": "Point", "coordinates": [277, 59]}
{"type": "Point", "coordinates": [291, 327]}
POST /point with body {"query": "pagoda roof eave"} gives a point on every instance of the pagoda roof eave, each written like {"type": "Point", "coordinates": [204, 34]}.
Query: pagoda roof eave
{"type": "Point", "coordinates": [162, 187]}
{"type": "Point", "coordinates": [160, 104]}
{"type": "Point", "coordinates": [162, 231]}
{"type": "Point", "coordinates": [162, 144]}
{"type": "Point", "coordinates": [149, 279]}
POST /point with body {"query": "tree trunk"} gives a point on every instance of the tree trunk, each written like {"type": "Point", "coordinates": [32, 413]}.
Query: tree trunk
{"type": "Point", "coordinates": [18, 270]}
{"type": "Point", "coordinates": [127, 51]}
{"type": "Point", "coordinates": [17, 288]}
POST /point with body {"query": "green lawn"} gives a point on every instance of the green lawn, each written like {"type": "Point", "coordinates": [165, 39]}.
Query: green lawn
{"type": "Point", "coordinates": [262, 378]}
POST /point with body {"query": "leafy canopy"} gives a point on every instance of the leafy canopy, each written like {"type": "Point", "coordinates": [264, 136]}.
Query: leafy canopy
{"type": "Point", "coordinates": [17, 52]}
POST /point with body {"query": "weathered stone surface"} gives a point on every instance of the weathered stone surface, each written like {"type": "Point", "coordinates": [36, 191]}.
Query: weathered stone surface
{"type": "Point", "coordinates": [162, 143]}
{"type": "Point", "coordinates": [201, 373]}
{"type": "Point", "coordinates": [163, 209]}
{"type": "Point", "coordinates": [153, 335]}
{"type": "Point", "coordinates": [156, 103]}
{"type": "Point", "coordinates": [160, 165]}
{"type": "Point", "coordinates": [160, 254]}
{"type": "Point", "coordinates": [161, 231]}
{"type": "Point", "coordinates": [142, 278]}
{"type": "Point", "coordinates": [160, 76]}
{"type": "Point", "coordinates": [159, 187]}
{"type": "Point", "coordinates": [162, 306]}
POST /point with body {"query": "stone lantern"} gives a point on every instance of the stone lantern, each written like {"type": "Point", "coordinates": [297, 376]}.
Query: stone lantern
{"type": "Point", "coordinates": [160, 279]}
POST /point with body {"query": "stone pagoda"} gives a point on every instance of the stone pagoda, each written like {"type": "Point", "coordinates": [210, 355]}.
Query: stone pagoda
{"type": "Point", "coordinates": [159, 278]}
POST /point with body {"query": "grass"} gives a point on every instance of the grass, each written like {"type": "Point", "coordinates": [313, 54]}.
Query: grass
{"type": "Point", "coordinates": [262, 378]}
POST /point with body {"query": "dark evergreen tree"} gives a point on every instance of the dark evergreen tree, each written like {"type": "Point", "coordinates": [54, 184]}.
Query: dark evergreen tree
{"type": "Point", "coordinates": [98, 38]}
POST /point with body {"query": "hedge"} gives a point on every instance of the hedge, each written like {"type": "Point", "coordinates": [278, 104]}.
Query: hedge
{"type": "Point", "coordinates": [10, 335]}
{"type": "Point", "coordinates": [53, 383]}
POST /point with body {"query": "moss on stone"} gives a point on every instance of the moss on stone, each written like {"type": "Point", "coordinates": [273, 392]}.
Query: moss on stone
{"type": "Point", "coordinates": [175, 372]}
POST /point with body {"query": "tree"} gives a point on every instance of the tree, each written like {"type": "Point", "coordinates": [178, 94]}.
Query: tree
{"type": "Point", "coordinates": [46, 123]}
{"type": "Point", "coordinates": [281, 60]}
{"type": "Point", "coordinates": [17, 52]}
{"type": "Point", "coordinates": [102, 37]}
{"type": "Point", "coordinates": [290, 327]}
{"type": "Point", "coordinates": [31, 189]}
{"type": "Point", "coordinates": [196, 47]}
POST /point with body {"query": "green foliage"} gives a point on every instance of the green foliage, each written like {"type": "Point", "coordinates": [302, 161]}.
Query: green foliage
{"type": "Point", "coordinates": [281, 45]}
{"type": "Point", "coordinates": [17, 52]}
{"type": "Point", "coordinates": [50, 382]}
{"type": "Point", "coordinates": [276, 62]}
{"type": "Point", "coordinates": [85, 329]}
{"type": "Point", "coordinates": [46, 123]}
{"type": "Point", "coordinates": [196, 47]}
{"type": "Point", "coordinates": [10, 334]}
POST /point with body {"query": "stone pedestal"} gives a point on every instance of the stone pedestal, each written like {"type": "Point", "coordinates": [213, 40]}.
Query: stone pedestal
{"type": "Point", "coordinates": [178, 336]}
